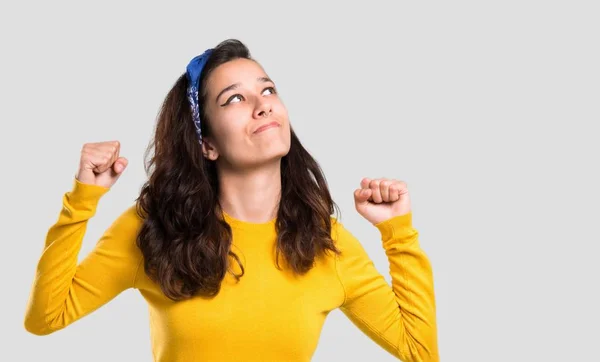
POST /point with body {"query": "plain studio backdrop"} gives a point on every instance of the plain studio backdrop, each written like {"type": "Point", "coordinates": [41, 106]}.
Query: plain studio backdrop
{"type": "Point", "coordinates": [489, 111]}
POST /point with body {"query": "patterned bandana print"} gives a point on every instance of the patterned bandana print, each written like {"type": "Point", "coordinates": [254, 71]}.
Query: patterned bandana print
{"type": "Point", "coordinates": [193, 71]}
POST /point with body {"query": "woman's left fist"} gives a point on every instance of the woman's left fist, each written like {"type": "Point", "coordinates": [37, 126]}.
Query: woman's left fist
{"type": "Point", "coordinates": [381, 199]}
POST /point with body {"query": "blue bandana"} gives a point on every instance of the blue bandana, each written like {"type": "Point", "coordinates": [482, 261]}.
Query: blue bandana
{"type": "Point", "coordinates": [193, 71]}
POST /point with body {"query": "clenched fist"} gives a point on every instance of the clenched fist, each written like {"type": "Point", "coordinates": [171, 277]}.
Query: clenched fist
{"type": "Point", "coordinates": [100, 163]}
{"type": "Point", "coordinates": [378, 200]}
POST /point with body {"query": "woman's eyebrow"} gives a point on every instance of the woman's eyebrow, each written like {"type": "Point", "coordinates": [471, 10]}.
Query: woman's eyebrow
{"type": "Point", "coordinates": [226, 89]}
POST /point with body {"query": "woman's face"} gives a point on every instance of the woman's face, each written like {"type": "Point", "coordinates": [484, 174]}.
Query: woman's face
{"type": "Point", "coordinates": [248, 122]}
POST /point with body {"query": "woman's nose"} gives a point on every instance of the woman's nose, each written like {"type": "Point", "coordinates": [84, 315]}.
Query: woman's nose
{"type": "Point", "coordinates": [263, 109]}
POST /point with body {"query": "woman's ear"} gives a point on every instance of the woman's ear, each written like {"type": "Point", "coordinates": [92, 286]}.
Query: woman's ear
{"type": "Point", "coordinates": [209, 150]}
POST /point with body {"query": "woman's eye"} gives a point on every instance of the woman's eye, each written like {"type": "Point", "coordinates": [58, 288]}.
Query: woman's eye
{"type": "Point", "coordinates": [236, 98]}
{"type": "Point", "coordinates": [233, 98]}
{"type": "Point", "coordinates": [271, 90]}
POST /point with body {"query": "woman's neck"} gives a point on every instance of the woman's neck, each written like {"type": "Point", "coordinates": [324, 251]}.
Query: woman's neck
{"type": "Point", "coordinates": [251, 196]}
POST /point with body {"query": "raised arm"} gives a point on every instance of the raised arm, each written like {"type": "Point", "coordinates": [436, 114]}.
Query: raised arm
{"type": "Point", "coordinates": [400, 318]}
{"type": "Point", "coordinates": [64, 291]}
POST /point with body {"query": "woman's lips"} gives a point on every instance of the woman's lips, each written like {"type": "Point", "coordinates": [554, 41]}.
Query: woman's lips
{"type": "Point", "coordinates": [266, 127]}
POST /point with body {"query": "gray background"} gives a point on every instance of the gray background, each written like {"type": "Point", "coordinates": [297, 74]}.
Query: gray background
{"type": "Point", "coordinates": [488, 110]}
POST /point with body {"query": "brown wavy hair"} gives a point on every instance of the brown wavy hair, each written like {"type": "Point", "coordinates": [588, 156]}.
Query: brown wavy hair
{"type": "Point", "coordinates": [185, 240]}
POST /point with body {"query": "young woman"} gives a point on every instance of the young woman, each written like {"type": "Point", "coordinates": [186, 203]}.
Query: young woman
{"type": "Point", "coordinates": [232, 242]}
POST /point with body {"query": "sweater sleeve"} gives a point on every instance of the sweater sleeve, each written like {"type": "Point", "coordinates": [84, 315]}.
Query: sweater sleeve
{"type": "Point", "coordinates": [64, 291]}
{"type": "Point", "coordinates": [400, 318]}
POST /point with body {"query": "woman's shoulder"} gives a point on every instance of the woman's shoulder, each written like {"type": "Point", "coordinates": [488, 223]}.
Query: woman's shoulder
{"type": "Point", "coordinates": [130, 220]}
{"type": "Point", "coordinates": [340, 234]}
{"type": "Point", "coordinates": [123, 231]}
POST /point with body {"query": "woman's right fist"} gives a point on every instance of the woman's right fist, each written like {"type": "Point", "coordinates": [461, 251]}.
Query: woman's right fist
{"type": "Point", "coordinates": [100, 163]}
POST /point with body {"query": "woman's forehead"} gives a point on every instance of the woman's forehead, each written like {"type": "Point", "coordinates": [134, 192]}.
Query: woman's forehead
{"type": "Point", "coordinates": [236, 71]}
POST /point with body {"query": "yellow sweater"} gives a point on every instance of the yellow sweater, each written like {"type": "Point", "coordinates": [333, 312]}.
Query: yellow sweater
{"type": "Point", "coordinates": [270, 315]}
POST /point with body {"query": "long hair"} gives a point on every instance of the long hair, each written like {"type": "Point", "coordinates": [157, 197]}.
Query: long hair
{"type": "Point", "coordinates": [185, 240]}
